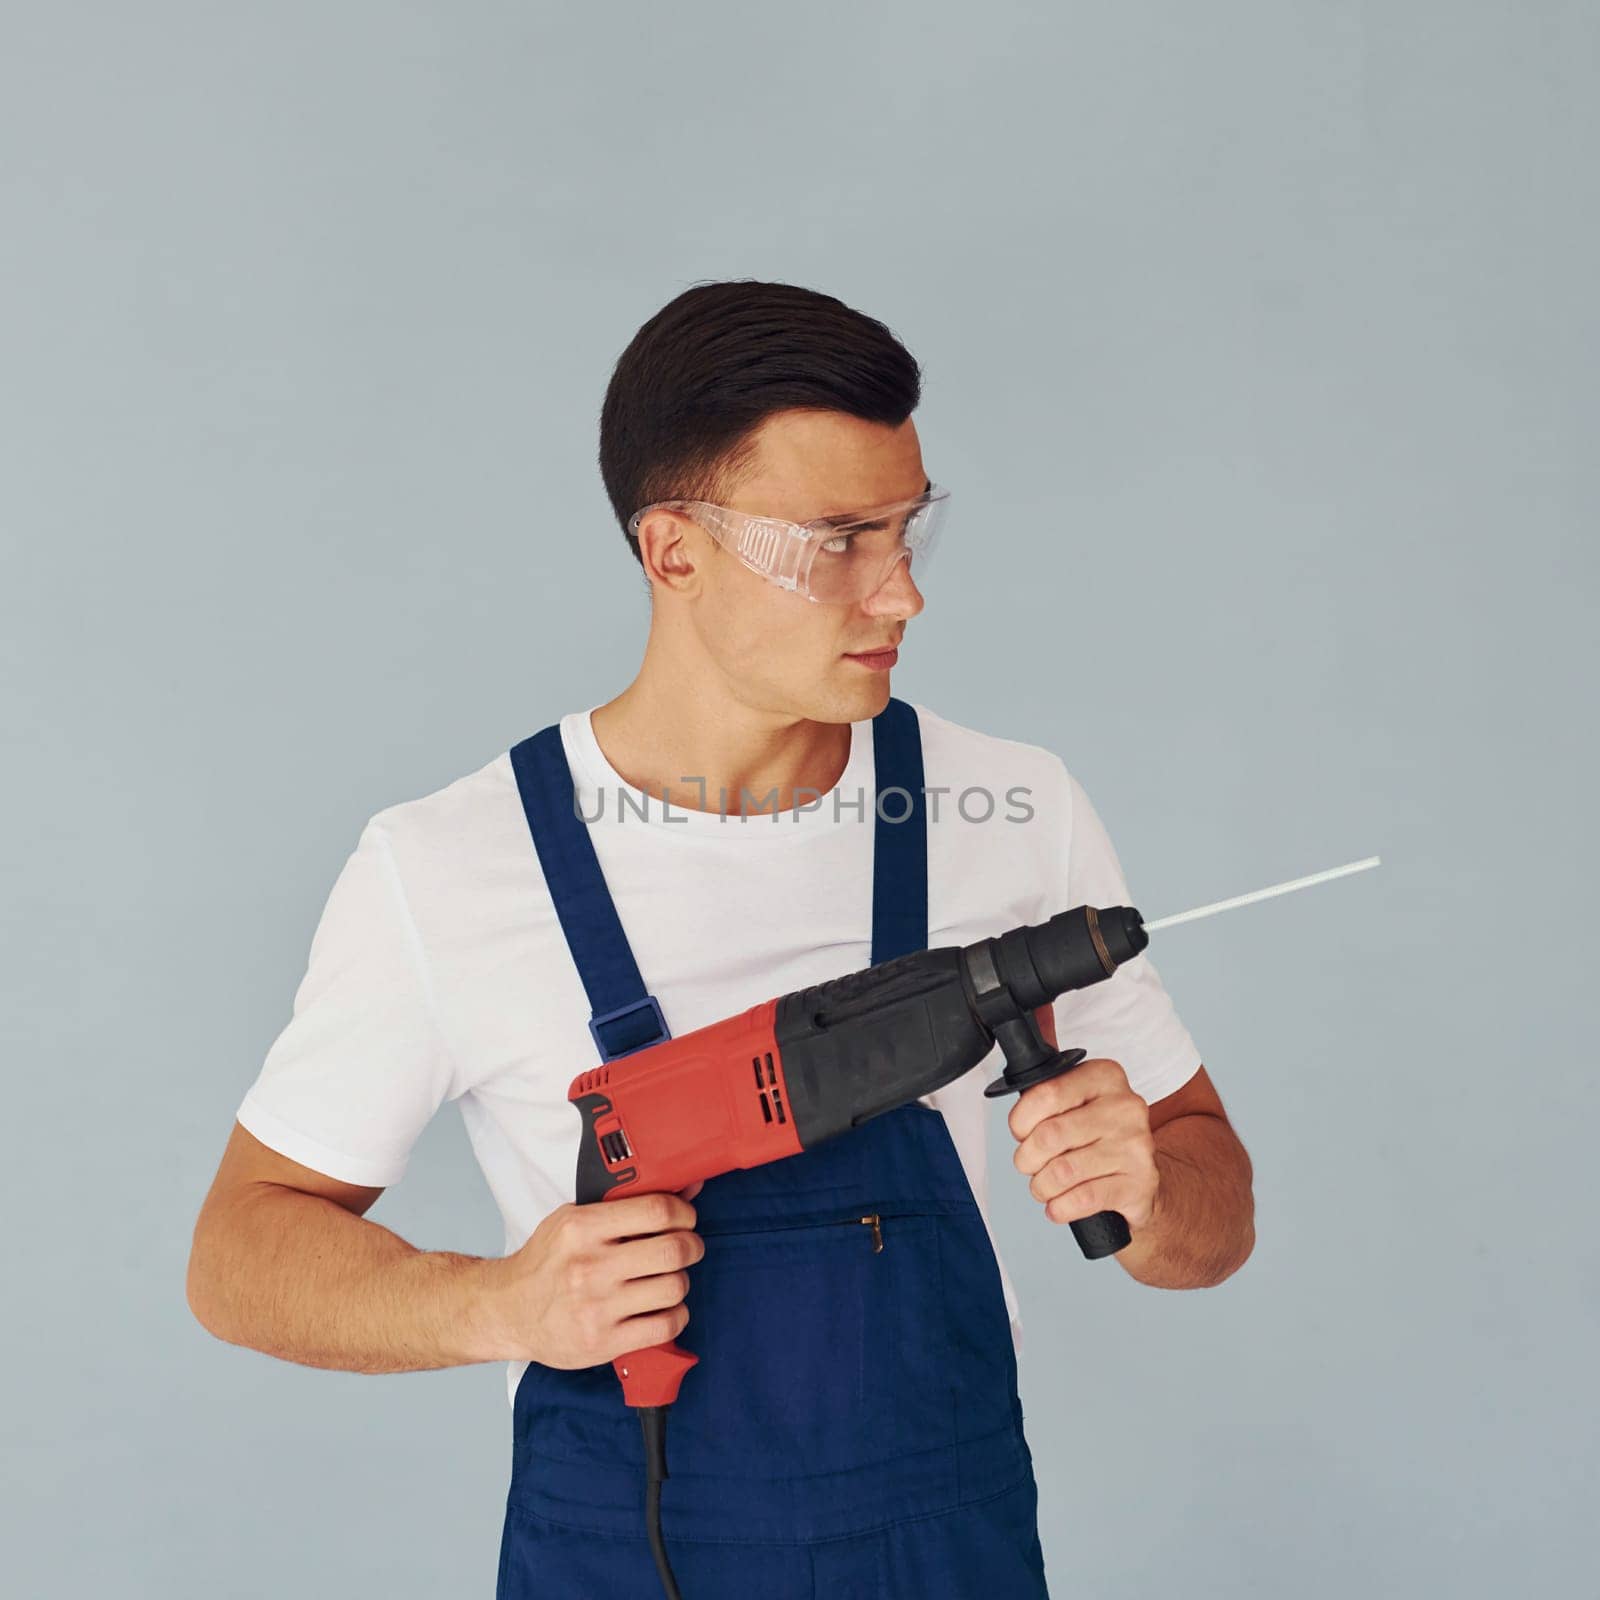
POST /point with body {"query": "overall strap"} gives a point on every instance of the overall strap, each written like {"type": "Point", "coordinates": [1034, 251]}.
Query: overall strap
{"type": "Point", "coordinates": [626, 1017]}
{"type": "Point", "coordinates": [899, 845]}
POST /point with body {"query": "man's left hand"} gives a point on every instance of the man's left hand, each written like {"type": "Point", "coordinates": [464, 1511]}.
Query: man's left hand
{"type": "Point", "coordinates": [1084, 1139]}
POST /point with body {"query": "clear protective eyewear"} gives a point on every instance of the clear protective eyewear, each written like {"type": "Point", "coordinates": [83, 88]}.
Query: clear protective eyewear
{"type": "Point", "coordinates": [832, 560]}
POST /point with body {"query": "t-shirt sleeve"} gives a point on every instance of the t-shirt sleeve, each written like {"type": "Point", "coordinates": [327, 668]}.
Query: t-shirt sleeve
{"type": "Point", "coordinates": [355, 1075]}
{"type": "Point", "coordinates": [1129, 1017]}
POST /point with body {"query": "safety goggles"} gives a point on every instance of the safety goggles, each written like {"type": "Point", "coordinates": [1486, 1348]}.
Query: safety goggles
{"type": "Point", "coordinates": [831, 560]}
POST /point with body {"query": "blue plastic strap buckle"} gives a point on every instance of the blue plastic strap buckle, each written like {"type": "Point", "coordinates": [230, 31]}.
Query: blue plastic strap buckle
{"type": "Point", "coordinates": [639, 1023]}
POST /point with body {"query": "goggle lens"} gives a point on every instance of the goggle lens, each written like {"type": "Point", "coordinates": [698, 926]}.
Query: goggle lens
{"type": "Point", "coordinates": [834, 561]}
{"type": "Point", "coordinates": [854, 559]}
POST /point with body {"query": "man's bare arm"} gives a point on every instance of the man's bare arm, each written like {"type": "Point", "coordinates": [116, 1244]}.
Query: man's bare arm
{"type": "Point", "coordinates": [1174, 1168]}
{"type": "Point", "coordinates": [285, 1262]}
{"type": "Point", "coordinates": [1203, 1226]}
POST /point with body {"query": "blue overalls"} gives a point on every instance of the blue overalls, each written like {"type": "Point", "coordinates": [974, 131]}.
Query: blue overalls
{"type": "Point", "coordinates": [852, 1430]}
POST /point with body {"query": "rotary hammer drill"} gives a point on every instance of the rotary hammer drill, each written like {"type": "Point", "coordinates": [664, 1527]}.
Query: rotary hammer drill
{"type": "Point", "coordinates": [812, 1064]}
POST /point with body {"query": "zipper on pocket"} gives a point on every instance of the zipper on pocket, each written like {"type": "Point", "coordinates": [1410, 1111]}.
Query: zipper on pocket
{"type": "Point", "coordinates": [873, 1219]}
{"type": "Point", "coordinates": [876, 1220]}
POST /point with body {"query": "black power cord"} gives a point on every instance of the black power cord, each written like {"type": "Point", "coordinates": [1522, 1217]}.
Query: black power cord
{"type": "Point", "coordinates": [653, 1421]}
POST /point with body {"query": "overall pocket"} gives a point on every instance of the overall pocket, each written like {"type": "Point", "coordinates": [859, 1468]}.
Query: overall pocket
{"type": "Point", "coordinates": [852, 1370]}
{"type": "Point", "coordinates": [824, 1346]}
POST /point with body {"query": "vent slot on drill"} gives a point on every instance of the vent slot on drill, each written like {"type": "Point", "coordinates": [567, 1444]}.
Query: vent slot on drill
{"type": "Point", "coordinates": [771, 1100]}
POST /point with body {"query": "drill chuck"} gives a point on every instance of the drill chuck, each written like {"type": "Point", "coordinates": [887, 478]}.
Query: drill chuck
{"type": "Point", "coordinates": [1072, 950]}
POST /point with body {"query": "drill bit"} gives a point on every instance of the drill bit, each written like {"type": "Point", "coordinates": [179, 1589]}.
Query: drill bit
{"type": "Point", "coordinates": [1261, 894]}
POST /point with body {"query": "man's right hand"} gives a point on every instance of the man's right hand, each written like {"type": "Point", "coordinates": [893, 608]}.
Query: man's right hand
{"type": "Point", "coordinates": [594, 1282]}
{"type": "Point", "coordinates": [285, 1261]}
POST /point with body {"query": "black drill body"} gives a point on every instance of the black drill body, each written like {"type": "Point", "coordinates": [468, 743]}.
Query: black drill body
{"type": "Point", "coordinates": [862, 1044]}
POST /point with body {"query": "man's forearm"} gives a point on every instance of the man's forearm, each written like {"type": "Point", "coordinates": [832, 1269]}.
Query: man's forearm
{"type": "Point", "coordinates": [1203, 1228]}
{"type": "Point", "coordinates": [299, 1277]}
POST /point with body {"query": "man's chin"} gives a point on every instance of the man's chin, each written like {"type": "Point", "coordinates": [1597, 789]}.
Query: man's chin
{"type": "Point", "coordinates": [865, 692]}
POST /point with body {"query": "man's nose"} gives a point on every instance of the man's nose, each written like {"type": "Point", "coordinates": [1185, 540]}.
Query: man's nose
{"type": "Point", "coordinates": [898, 594]}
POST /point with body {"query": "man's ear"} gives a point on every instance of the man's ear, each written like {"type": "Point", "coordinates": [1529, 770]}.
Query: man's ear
{"type": "Point", "coordinates": [664, 551]}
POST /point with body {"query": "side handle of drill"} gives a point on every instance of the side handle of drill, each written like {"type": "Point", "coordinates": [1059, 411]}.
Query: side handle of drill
{"type": "Point", "coordinates": [1071, 951]}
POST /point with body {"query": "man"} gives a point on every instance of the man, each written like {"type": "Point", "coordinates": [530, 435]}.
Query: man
{"type": "Point", "coordinates": [852, 1426]}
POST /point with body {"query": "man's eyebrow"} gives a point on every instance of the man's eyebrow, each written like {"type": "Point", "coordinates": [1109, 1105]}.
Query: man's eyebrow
{"type": "Point", "coordinates": [847, 516]}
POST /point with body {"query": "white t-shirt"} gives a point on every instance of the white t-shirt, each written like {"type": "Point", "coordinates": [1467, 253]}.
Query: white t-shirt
{"type": "Point", "coordinates": [439, 971]}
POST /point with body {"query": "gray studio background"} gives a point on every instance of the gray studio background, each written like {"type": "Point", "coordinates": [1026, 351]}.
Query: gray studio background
{"type": "Point", "coordinates": [1260, 349]}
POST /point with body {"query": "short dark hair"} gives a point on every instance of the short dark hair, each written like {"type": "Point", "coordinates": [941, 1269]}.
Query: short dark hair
{"type": "Point", "coordinates": [702, 375]}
